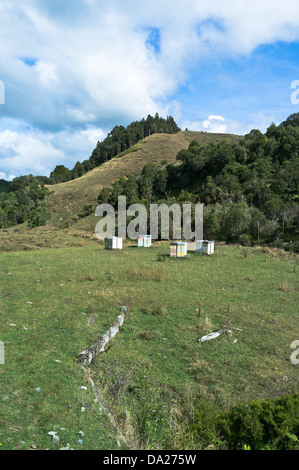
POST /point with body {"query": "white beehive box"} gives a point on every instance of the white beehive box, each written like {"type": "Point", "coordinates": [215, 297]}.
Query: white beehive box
{"type": "Point", "coordinates": [208, 247]}
{"type": "Point", "coordinates": [178, 249]}
{"type": "Point", "coordinates": [145, 241]}
{"type": "Point", "coordinates": [113, 243]}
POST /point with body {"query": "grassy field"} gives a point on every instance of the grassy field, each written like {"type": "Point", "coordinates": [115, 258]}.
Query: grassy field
{"type": "Point", "coordinates": [57, 302]}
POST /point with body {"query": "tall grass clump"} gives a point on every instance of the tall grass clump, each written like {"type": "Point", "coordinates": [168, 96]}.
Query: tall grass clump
{"type": "Point", "coordinates": [145, 274]}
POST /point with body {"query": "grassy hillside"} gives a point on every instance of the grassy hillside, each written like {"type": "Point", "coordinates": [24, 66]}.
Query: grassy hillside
{"type": "Point", "coordinates": [55, 303]}
{"type": "Point", "coordinates": [69, 198]}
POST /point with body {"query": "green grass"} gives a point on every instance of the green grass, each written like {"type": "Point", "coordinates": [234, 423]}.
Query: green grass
{"type": "Point", "coordinates": [156, 359]}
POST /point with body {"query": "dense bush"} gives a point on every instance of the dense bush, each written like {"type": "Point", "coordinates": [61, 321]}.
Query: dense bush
{"type": "Point", "coordinates": [272, 423]}
{"type": "Point", "coordinates": [258, 425]}
{"type": "Point", "coordinates": [23, 202]}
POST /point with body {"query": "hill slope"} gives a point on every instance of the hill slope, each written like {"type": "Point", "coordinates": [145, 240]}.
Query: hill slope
{"type": "Point", "coordinates": [69, 198]}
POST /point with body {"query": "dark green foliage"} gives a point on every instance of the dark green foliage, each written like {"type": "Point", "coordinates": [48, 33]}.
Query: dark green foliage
{"type": "Point", "coordinates": [38, 216]}
{"type": "Point", "coordinates": [103, 196]}
{"type": "Point", "coordinates": [61, 174]}
{"type": "Point", "coordinates": [271, 424]}
{"type": "Point", "coordinates": [24, 202]}
{"type": "Point", "coordinates": [262, 424]}
{"type": "Point", "coordinates": [249, 189]}
{"type": "Point", "coordinates": [4, 186]}
{"type": "Point", "coordinates": [145, 188]}
{"type": "Point", "coordinates": [205, 421]}
{"type": "Point", "coordinates": [88, 209]}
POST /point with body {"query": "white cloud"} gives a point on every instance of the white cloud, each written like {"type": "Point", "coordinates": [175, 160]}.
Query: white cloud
{"type": "Point", "coordinates": [47, 74]}
{"type": "Point", "coordinates": [220, 124]}
{"type": "Point", "coordinates": [215, 124]}
{"type": "Point", "coordinates": [31, 151]}
{"type": "Point", "coordinates": [92, 68]}
{"type": "Point", "coordinates": [4, 176]}
{"type": "Point", "coordinates": [101, 67]}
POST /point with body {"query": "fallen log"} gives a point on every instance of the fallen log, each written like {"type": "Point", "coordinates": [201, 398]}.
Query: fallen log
{"type": "Point", "coordinates": [91, 353]}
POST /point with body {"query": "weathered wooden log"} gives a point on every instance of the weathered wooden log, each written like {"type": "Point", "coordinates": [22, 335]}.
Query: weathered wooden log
{"type": "Point", "coordinates": [91, 353]}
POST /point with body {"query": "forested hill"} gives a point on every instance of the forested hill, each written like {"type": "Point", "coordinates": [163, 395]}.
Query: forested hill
{"type": "Point", "coordinates": [117, 141]}
{"type": "Point", "coordinates": [68, 199]}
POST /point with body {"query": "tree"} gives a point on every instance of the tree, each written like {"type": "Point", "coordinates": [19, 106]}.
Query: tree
{"type": "Point", "coordinates": [235, 221]}
{"type": "Point", "coordinates": [258, 220]}
{"type": "Point", "coordinates": [273, 208]}
{"type": "Point", "coordinates": [61, 174]}
{"type": "Point", "coordinates": [103, 196]}
{"type": "Point", "coordinates": [211, 222]}
{"type": "Point", "coordinates": [38, 216]}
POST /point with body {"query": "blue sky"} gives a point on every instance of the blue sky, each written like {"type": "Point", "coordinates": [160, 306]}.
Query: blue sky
{"type": "Point", "coordinates": [72, 70]}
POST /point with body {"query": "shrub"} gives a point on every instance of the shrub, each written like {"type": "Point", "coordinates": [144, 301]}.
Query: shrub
{"type": "Point", "coordinates": [271, 424]}
{"type": "Point", "coordinates": [38, 216]}
{"type": "Point", "coordinates": [262, 424]}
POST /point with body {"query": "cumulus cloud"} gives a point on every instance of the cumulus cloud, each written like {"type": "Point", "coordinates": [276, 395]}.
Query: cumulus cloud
{"type": "Point", "coordinates": [4, 176]}
{"type": "Point", "coordinates": [215, 124]}
{"type": "Point", "coordinates": [220, 124]}
{"type": "Point", "coordinates": [38, 152]}
{"type": "Point", "coordinates": [74, 69]}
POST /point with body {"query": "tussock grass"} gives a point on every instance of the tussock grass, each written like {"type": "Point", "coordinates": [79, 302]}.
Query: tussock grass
{"type": "Point", "coordinates": [146, 274]}
{"type": "Point", "coordinates": [206, 325]}
{"type": "Point", "coordinates": [284, 287]}
{"type": "Point", "coordinates": [159, 310]}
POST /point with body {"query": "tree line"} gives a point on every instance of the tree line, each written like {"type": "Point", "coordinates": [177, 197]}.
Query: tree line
{"type": "Point", "coordinates": [249, 189]}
